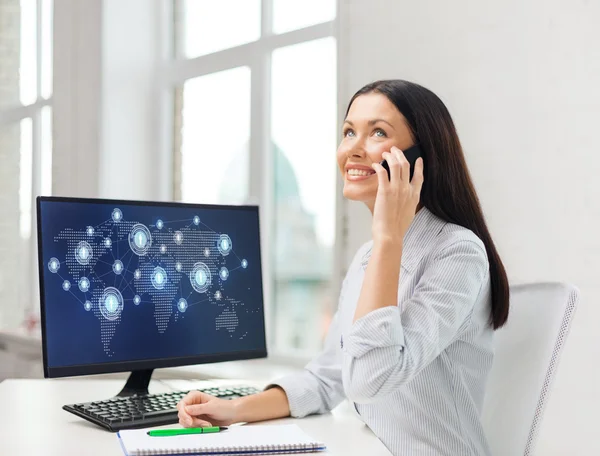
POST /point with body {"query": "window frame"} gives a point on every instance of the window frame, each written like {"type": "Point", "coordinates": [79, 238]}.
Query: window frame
{"type": "Point", "coordinates": [257, 56]}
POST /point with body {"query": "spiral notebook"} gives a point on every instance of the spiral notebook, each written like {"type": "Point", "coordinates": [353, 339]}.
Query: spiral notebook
{"type": "Point", "coordinates": [237, 440]}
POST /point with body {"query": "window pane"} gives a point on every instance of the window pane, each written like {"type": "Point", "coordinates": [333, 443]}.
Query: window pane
{"type": "Point", "coordinates": [28, 64]}
{"type": "Point", "coordinates": [46, 48]}
{"type": "Point", "coordinates": [15, 176]}
{"type": "Point", "coordinates": [206, 26]}
{"type": "Point", "coordinates": [295, 14]}
{"type": "Point", "coordinates": [215, 137]}
{"type": "Point", "coordinates": [304, 137]}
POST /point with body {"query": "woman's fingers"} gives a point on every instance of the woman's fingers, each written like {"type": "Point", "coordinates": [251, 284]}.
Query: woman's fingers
{"type": "Point", "coordinates": [192, 415]}
{"type": "Point", "coordinates": [382, 175]}
{"type": "Point", "coordinates": [191, 406]}
{"type": "Point", "coordinates": [196, 409]}
{"type": "Point", "coordinates": [194, 397]}
{"type": "Point", "coordinates": [198, 422]}
{"type": "Point", "coordinates": [184, 419]}
{"type": "Point", "coordinates": [418, 178]}
{"type": "Point", "coordinates": [182, 414]}
{"type": "Point", "coordinates": [403, 164]}
{"type": "Point", "coordinates": [394, 165]}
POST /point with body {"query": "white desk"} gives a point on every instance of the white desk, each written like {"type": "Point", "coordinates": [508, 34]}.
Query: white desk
{"type": "Point", "coordinates": [32, 421]}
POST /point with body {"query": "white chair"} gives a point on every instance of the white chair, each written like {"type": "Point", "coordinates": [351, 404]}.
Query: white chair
{"type": "Point", "coordinates": [527, 351]}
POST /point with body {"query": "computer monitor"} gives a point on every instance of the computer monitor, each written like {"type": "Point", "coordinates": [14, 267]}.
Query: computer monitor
{"type": "Point", "coordinates": [135, 286]}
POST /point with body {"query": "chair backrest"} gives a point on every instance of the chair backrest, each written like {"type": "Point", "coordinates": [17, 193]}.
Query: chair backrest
{"type": "Point", "coordinates": [527, 351]}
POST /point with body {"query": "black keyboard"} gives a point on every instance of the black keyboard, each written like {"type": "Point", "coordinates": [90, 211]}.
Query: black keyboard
{"type": "Point", "coordinates": [145, 411]}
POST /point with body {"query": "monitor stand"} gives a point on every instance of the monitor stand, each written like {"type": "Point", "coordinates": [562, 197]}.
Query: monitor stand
{"type": "Point", "coordinates": [137, 383]}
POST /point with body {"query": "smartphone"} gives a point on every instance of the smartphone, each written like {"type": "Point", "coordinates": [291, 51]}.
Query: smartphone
{"type": "Point", "coordinates": [411, 154]}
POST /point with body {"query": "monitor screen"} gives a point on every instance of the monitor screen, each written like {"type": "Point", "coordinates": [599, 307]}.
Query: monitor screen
{"type": "Point", "coordinates": [136, 285]}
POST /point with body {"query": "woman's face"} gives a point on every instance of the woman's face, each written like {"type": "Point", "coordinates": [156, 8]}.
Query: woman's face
{"type": "Point", "coordinates": [373, 125]}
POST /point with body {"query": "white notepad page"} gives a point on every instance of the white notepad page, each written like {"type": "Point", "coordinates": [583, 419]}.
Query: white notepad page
{"type": "Point", "coordinates": [287, 438]}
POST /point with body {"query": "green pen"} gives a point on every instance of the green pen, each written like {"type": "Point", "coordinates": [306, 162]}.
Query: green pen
{"type": "Point", "coordinates": [185, 431]}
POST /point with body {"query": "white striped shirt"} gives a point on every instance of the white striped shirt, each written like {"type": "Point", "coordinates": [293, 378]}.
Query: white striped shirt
{"type": "Point", "coordinates": [415, 372]}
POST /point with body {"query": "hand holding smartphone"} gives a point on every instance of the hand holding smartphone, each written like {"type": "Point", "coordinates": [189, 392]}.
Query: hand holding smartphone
{"type": "Point", "coordinates": [411, 154]}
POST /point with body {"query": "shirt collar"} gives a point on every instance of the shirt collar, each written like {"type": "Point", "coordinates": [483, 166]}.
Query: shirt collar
{"type": "Point", "coordinates": [419, 238]}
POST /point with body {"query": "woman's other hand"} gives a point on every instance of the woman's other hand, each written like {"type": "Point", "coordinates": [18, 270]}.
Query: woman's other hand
{"type": "Point", "coordinates": [198, 409]}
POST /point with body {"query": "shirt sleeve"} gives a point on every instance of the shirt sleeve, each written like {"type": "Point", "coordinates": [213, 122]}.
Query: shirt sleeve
{"type": "Point", "coordinates": [318, 388]}
{"type": "Point", "coordinates": [386, 348]}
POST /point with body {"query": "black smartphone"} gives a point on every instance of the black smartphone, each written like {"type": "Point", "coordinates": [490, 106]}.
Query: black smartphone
{"type": "Point", "coordinates": [411, 154]}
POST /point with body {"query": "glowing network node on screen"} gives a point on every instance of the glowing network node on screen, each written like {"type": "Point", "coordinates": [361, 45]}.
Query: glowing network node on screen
{"type": "Point", "coordinates": [87, 305]}
{"type": "Point", "coordinates": [178, 237]}
{"type": "Point", "coordinates": [178, 266]}
{"type": "Point", "coordinates": [111, 303]}
{"type": "Point", "coordinates": [90, 230]}
{"type": "Point", "coordinates": [206, 252]}
{"type": "Point", "coordinates": [244, 263]}
{"type": "Point", "coordinates": [137, 274]}
{"type": "Point", "coordinates": [117, 215]}
{"type": "Point", "coordinates": [137, 300]}
{"type": "Point", "coordinates": [224, 244]}
{"type": "Point", "coordinates": [200, 277]}
{"type": "Point", "coordinates": [107, 242]}
{"type": "Point", "coordinates": [66, 285]}
{"type": "Point", "coordinates": [224, 273]}
{"type": "Point", "coordinates": [140, 239]}
{"type": "Point", "coordinates": [84, 284]}
{"type": "Point", "coordinates": [196, 220]}
{"type": "Point", "coordinates": [53, 265]}
{"type": "Point", "coordinates": [163, 249]}
{"type": "Point", "coordinates": [159, 224]}
{"type": "Point", "coordinates": [159, 278]}
{"type": "Point", "coordinates": [83, 253]}
{"type": "Point", "coordinates": [218, 295]}
{"type": "Point", "coordinates": [117, 267]}
{"type": "Point", "coordinates": [182, 305]}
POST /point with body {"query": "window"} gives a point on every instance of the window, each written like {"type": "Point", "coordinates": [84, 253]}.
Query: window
{"type": "Point", "coordinates": [255, 122]}
{"type": "Point", "coordinates": [214, 137]}
{"type": "Point", "coordinates": [25, 146]}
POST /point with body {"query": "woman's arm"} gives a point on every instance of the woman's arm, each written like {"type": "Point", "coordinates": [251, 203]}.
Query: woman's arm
{"type": "Point", "coordinates": [380, 284]}
{"type": "Point", "coordinates": [385, 348]}
{"type": "Point", "coordinates": [199, 409]}
{"type": "Point", "coordinates": [316, 389]}
{"type": "Point", "coordinates": [267, 405]}
{"type": "Point", "coordinates": [393, 212]}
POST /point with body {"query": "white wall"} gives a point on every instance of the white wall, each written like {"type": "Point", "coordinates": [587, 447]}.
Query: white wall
{"type": "Point", "coordinates": [522, 80]}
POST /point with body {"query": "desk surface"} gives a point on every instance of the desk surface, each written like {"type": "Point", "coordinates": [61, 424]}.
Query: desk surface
{"type": "Point", "coordinates": [36, 404]}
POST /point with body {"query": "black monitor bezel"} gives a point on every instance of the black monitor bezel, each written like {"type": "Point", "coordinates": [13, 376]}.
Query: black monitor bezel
{"type": "Point", "coordinates": [156, 363]}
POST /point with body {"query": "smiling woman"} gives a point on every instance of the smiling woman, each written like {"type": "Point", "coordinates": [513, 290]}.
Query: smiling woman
{"type": "Point", "coordinates": [411, 342]}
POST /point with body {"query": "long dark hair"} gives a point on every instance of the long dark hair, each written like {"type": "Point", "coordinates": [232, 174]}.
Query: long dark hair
{"type": "Point", "coordinates": [448, 190]}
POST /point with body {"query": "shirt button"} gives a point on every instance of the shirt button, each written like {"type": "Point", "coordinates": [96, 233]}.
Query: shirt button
{"type": "Point", "coordinates": [341, 342]}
